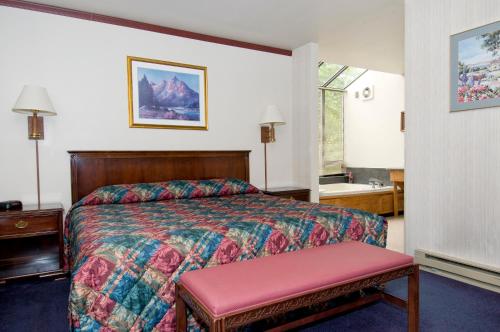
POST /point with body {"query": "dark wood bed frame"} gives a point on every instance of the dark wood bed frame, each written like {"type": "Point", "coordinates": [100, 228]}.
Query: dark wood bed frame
{"type": "Point", "coordinates": [93, 169]}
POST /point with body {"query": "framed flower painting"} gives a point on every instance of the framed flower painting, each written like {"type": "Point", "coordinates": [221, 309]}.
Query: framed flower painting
{"type": "Point", "coordinates": [475, 68]}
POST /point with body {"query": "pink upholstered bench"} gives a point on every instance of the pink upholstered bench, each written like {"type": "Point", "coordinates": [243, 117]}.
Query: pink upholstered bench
{"type": "Point", "coordinates": [232, 295]}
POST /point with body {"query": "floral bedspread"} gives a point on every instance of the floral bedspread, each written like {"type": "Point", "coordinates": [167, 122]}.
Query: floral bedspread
{"type": "Point", "coordinates": [128, 245]}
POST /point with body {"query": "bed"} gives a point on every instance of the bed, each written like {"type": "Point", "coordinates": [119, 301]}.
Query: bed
{"type": "Point", "coordinates": [141, 219]}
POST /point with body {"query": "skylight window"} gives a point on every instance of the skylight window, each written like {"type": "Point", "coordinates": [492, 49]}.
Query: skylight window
{"type": "Point", "coordinates": [335, 76]}
{"type": "Point", "coordinates": [326, 71]}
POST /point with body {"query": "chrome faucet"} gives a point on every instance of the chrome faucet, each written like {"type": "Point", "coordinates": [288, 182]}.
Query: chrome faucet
{"type": "Point", "coordinates": [376, 183]}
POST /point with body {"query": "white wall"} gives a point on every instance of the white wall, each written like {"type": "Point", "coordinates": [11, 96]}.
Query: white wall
{"type": "Point", "coordinates": [305, 118]}
{"type": "Point", "coordinates": [83, 66]}
{"type": "Point", "coordinates": [372, 136]}
{"type": "Point", "coordinates": [452, 189]}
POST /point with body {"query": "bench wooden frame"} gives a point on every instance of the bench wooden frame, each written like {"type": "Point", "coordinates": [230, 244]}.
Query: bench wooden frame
{"type": "Point", "coordinates": [231, 321]}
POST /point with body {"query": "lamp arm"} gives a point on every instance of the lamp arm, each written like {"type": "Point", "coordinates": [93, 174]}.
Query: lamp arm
{"type": "Point", "coordinates": [34, 125]}
{"type": "Point", "coordinates": [272, 135]}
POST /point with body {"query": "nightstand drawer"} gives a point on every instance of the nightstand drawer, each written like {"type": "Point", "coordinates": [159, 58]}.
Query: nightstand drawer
{"type": "Point", "coordinates": [24, 225]}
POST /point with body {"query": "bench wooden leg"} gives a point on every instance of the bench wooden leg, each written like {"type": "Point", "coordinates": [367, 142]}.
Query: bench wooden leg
{"type": "Point", "coordinates": [413, 300]}
{"type": "Point", "coordinates": [180, 312]}
{"type": "Point", "coordinates": [217, 326]}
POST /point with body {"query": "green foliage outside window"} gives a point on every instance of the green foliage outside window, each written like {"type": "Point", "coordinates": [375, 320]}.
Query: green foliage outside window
{"type": "Point", "coordinates": [331, 131]}
{"type": "Point", "coordinates": [326, 71]}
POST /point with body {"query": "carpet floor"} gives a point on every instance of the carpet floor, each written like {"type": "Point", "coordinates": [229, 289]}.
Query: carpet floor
{"type": "Point", "coordinates": [445, 305]}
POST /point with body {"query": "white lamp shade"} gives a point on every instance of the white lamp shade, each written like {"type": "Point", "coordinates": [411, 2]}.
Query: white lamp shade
{"type": "Point", "coordinates": [272, 116]}
{"type": "Point", "coordinates": [34, 99]}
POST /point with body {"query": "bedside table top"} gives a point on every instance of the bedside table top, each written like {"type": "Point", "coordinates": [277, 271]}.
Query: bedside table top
{"type": "Point", "coordinates": [33, 208]}
{"type": "Point", "coordinates": [285, 189]}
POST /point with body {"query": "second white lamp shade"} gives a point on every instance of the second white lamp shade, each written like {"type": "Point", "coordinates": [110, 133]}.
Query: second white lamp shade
{"type": "Point", "coordinates": [272, 115]}
{"type": "Point", "coordinates": [34, 99]}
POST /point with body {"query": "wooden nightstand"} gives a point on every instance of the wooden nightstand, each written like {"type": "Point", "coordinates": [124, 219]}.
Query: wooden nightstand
{"type": "Point", "coordinates": [300, 194]}
{"type": "Point", "coordinates": [31, 242]}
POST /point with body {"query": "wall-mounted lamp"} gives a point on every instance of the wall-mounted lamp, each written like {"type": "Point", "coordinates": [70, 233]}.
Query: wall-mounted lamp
{"type": "Point", "coordinates": [35, 102]}
{"type": "Point", "coordinates": [271, 117]}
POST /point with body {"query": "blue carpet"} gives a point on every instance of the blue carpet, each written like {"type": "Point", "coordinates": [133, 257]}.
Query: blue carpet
{"type": "Point", "coordinates": [445, 305]}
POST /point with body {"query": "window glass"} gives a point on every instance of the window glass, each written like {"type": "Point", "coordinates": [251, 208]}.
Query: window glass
{"type": "Point", "coordinates": [331, 131]}
{"type": "Point", "coordinates": [326, 71]}
{"type": "Point", "coordinates": [331, 114]}
{"type": "Point", "coordinates": [346, 78]}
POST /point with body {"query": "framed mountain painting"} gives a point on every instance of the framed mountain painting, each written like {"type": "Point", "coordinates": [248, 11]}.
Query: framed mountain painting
{"type": "Point", "coordinates": [165, 94]}
{"type": "Point", "coordinates": [475, 68]}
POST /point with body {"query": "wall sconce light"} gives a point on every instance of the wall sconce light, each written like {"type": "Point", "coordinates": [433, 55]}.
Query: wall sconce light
{"type": "Point", "coordinates": [35, 102]}
{"type": "Point", "coordinates": [271, 117]}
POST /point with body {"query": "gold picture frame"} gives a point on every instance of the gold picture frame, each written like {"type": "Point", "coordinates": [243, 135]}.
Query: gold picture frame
{"type": "Point", "coordinates": [167, 95]}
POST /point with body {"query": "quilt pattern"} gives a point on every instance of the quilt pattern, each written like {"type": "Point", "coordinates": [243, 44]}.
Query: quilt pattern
{"type": "Point", "coordinates": [129, 245]}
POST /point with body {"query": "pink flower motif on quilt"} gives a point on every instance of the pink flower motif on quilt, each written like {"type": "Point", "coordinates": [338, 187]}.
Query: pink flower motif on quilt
{"type": "Point", "coordinates": [130, 197]}
{"type": "Point", "coordinates": [165, 194]}
{"type": "Point", "coordinates": [276, 243]}
{"type": "Point", "coordinates": [106, 329]}
{"type": "Point", "coordinates": [226, 190]}
{"type": "Point", "coordinates": [166, 260]}
{"type": "Point", "coordinates": [167, 291]}
{"type": "Point", "coordinates": [355, 230]}
{"type": "Point", "coordinates": [167, 323]}
{"type": "Point", "coordinates": [227, 251]}
{"type": "Point", "coordinates": [197, 193]}
{"type": "Point", "coordinates": [319, 235]}
{"type": "Point", "coordinates": [102, 308]}
{"type": "Point", "coordinates": [94, 272]}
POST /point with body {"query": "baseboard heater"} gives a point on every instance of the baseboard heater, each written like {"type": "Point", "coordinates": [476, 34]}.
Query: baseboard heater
{"type": "Point", "coordinates": [459, 269]}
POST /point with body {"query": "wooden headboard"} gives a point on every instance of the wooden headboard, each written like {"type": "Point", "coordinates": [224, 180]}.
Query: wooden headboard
{"type": "Point", "coordinates": [93, 169]}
